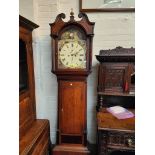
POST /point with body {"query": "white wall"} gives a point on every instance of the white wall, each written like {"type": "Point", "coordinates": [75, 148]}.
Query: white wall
{"type": "Point", "coordinates": [26, 9]}
{"type": "Point", "coordinates": [111, 30]}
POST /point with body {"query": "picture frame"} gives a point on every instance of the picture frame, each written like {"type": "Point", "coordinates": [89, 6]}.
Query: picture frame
{"type": "Point", "coordinates": [107, 5]}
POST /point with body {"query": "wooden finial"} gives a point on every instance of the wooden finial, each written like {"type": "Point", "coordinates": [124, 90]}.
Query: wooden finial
{"type": "Point", "coordinates": [72, 13]}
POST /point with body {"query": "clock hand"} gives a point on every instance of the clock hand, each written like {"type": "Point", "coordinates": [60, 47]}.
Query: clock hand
{"type": "Point", "coordinates": [71, 51]}
{"type": "Point", "coordinates": [76, 53]}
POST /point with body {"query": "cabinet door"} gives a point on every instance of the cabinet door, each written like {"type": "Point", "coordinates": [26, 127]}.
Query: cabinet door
{"type": "Point", "coordinates": [114, 77]}
{"type": "Point", "coordinates": [72, 107]}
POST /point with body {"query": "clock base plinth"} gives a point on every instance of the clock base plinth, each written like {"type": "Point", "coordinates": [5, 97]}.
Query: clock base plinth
{"type": "Point", "coordinates": [70, 150]}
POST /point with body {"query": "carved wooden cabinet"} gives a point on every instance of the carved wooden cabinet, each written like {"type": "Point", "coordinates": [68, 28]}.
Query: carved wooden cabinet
{"type": "Point", "coordinates": [34, 137]}
{"type": "Point", "coordinates": [116, 86]}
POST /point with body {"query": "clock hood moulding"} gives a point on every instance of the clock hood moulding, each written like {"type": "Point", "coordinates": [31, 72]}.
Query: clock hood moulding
{"type": "Point", "coordinates": [84, 23]}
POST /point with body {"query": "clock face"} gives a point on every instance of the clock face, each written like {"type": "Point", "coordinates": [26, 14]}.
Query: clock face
{"type": "Point", "coordinates": [72, 55]}
{"type": "Point", "coordinates": [71, 51]}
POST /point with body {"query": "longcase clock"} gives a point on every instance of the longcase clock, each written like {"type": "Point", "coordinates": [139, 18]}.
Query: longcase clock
{"type": "Point", "coordinates": [72, 63]}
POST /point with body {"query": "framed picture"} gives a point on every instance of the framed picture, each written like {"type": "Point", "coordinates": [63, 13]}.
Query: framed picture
{"type": "Point", "coordinates": [107, 5]}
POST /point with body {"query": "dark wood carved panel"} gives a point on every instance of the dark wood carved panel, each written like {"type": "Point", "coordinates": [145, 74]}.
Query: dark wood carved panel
{"type": "Point", "coordinates": [111, 141]}
{"type": "Point", "coordinates": [112, 77]}
{"type": "Point", "coordinates": [115, 77]}
{"type": "Point", "coordinates": [121, 139]}
{"type": "Point", "coordinates": [118, 54]}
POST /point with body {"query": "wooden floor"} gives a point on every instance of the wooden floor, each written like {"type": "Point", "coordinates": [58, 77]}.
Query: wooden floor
{"type": "Point", "coordinates": [93, 150]}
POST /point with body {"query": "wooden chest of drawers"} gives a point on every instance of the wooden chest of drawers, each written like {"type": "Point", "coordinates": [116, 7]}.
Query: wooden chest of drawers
{"type": "Point", "coordinates": [115, 135]}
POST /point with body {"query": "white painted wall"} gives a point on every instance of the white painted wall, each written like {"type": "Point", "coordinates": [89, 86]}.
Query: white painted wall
{"type": "Point", "coordinates": [26, 9]}
{"type": "Point", "coordinates": [111, 30]}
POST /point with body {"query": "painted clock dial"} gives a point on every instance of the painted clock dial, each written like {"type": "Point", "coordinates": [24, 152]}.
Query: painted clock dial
{"type": "Point", "coordinates": [71, 50]}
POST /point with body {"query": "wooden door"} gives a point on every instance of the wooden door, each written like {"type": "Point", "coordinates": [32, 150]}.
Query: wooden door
{"type": "Point", "coordinates": [72, 105]}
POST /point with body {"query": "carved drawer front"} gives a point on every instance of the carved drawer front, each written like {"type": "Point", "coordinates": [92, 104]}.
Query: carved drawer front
{"type": "Point", "coordinates": [122, 139]}
{"type": "Point", "coordinates": [111, 141]}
